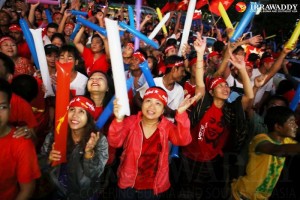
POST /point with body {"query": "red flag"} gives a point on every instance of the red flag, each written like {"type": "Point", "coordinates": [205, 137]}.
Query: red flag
{"type": "Point", "coordinates": [213, 7]}
{"type": "Point", "coordinates": [168, 7]}
{"type": "Point", "coordinates": [200, 4]}
{"type": "Point", "coordinates": [183, 5]}
{"type": "Point", "coordinates": [61, 116]}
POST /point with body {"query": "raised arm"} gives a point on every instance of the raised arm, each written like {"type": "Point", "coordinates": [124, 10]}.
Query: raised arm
{"type": "Point", "coordinates": [31, 12]}
{"type": "Point", "coordinates": [239, 63]}
{"type": "Point", "coordinates": [199, 45]}
{"type": "Point", "coordinates": [277, 64]}
{"type": "Point", "coordinates": [62, 24]}
{"type": "Point", "coordinates": [77, 42]}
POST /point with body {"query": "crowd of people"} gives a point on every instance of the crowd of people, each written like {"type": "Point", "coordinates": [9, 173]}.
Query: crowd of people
{"type": "Point", "coordinates": [219, 105]}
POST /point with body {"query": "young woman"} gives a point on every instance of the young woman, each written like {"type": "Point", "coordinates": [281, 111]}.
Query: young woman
{"type": "Point", "coordinates": [144, 168]}
{"type": "Point", "coordinates": [87, 153]}
{"type": "Point", "coordinates": [215, 124]}
{"type": "Point", "coordinates": [9, 47]}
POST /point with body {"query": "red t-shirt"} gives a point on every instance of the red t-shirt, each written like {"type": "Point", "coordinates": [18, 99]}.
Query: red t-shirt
{"type": "Point", "coordinates": [148, 162]}
{"type": "Point", "coordinates": [189, 89]}
{"type": "Point", "coordinates": [208, 137]}
{"type": "Point", "coordinates": [92, 65]}
{"type": "Point", "coordinates": [21, 113]}
{"type": "Point", "coordinates": [19, 164]}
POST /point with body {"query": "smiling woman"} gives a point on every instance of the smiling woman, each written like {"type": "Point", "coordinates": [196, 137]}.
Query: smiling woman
{"type": "Point", "coordinates": [87, 153]}
{"type": "Point", "coordinates": [144, 167]}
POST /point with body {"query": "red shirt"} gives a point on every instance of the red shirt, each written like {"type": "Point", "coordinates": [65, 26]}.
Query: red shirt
{"type": "Point", "coordinates": [21, 113]}
{"type": "Point", "coordinates": [19, 164]}
{"type": "Point", "coordinates": [209, 137]}
{"type": "Point", "coordinates": [92, 65]}
{"type": "Point", "coordinates": [189, 89]}
{"type": "Point", "coordinates": [148, 162]}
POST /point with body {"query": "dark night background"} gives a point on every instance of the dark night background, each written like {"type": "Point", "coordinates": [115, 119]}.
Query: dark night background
{"type": "Point", "coordinates": [281, 24]}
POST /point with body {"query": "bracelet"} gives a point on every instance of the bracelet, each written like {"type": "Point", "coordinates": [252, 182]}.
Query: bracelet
{"type": "Point", "coordinates": [91, 156]}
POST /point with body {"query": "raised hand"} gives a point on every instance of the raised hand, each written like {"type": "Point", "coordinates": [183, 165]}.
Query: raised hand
{"type": "Point", "coordinates": [187, 102]}
{"type": "Point", "coordinates": [238, 61]}
{"type": "Point", "coordinates": [117, 110]}
{"type": "Point", "coordinates": [259, 81]}
{"type": "Point", "coordinates": [256, 40]}
{"type": "Point", "coordinates": [200, 43]}
{"type": "Point", "coordinates": [92, 142]}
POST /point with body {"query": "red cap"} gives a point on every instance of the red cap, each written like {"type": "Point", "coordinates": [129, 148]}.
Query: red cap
{"type": "Point", "coordinates": [216, 81]}
{"type": "Point", "coordinates": [139, 55]}
{"type": "Point", "coordinates": [156, 93]}
{"type": "Point", "coordinates": [15, 27]}
{"type": "Point", "coordinates": [212, 54]}
{"type": "Point", "coordinates": [83, 102]}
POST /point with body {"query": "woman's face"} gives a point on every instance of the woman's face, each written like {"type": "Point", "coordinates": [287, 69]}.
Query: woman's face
{"type": "Point", "coordinates": [77, 118]}
{"type": "Point", "coordinates": [152, 108]}
{"type": "Point", "coordinates": [96, 45]}
{"type": "Point", "coordinates": [150, 63]}
{"type": "Point", "coordinates": [9, 48]}
{"type": "Point", "coordinates": [97, 83]}
{"type": "Point", "coordinates": [221, 91]}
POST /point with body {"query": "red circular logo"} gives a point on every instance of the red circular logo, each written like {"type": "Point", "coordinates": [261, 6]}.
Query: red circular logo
{"type": "Point", "coordinates": [240, 7]}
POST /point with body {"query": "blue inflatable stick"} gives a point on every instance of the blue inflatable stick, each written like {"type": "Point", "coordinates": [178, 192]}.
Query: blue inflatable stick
{"type": "Point", "coordinates": [30, 41]}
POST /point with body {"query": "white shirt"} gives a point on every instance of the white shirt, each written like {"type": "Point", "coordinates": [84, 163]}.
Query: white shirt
{"type": "Point", "coordinates": [79, 84]}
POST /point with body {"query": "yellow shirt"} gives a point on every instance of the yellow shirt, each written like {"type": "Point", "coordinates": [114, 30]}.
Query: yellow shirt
{"type": "Point", "coordinates": [262, 173]}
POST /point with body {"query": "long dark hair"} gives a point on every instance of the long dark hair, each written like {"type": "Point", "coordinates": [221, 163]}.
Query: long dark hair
{"type": "Point", "coordinates": [88, 129]}
{"type": "Point", "coordinates": [109, 93]}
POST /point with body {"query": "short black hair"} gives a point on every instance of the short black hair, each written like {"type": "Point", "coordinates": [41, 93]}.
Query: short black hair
{"type": "Point", "coordinates": [25, 86]}
{"type": "Point", "coordinates": [171, 60]}
{"type": "Point", "coordinates": [52, 25]}
{"type": "Point", "coordinates": [60, 36]}
{"type": "Point", "coordinates": [8, 63]}
{"type": "Point", "coordinates": [276, 98]}
{"type": "Point", "coordinates": [277, 115]}
{"type": "Point", "coordinates": [5, 88]}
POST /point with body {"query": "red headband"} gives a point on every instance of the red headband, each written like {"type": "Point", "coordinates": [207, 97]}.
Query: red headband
{"type": "Point", "coordinates": [70, 25]}
{"type": "Point", "coordinates": [156, 93]}
{"type": "Point", "coordinates": [130, 45]}
{"type": "Point", "coordinates": [83, 102]}
{"type": "Point", "coordinates": [5, 38]}
{"type": "Point", "coordinates": [268, 60]}
{"type": "Point", "coordinates": [169, 48]}
{"type": "Point", "coordinates": [216, 81]}
{"type": "Point", "coordinates": [249, 64]}
{"type": "Point", "coordinates": [177, 64]}
{"type": "Point", "coordinates": [139, 55]}
{"type": "Point", "coordinates": [15, 27]}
